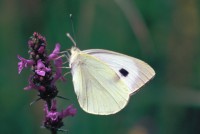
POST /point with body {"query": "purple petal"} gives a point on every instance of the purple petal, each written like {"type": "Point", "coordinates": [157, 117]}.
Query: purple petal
{"type": "Point", "coordinates": [41, 49]}
{"type": "Point", "coordinates": [55, 52]}
{"type": "Point", "coordinates": [58, 64]}
{"type": "Point", "coordinates": [30, 43]}
{"type": "Point", "coordinates": [53, 107]}
{"type": "Point", "coordinates": [40, 37]}
{"type": "Point", "coordinates": [28, 87]}
{"type": "Point", "coordinates": [40, 64]}
{"type": "Point", "coordinates": [46, 109]}
{"type": "Point", "coordinates": [23, 63]}
{"type": "Point", "coordinates": [69, 111]}
{"type": "Point", "coordinates": [40, 72]}
{"type": "Point", "coordinates": [41, 69]}
{"type": "Point", "coordinates": [58, 75]}
{"type": "Point", "coordinates": [47, 69]}
{"type": "Point", "coordinates": [53, 115]}
{"type": "Point", "coordinates": [41, 88]}
{"type": "Point", "coordinates": [31, 84]}
{"type": "Point", "coordinates": [20, 67]}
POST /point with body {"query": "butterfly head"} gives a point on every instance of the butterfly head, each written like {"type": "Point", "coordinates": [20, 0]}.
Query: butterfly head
{"type": "Point", "coordinates": [74, 50]}
{"type": "Point", "coordinates": [74, 54]}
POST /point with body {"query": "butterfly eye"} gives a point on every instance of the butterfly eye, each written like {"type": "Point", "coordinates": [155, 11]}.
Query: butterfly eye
{"type": "Point", "coordinates": [123, 72]}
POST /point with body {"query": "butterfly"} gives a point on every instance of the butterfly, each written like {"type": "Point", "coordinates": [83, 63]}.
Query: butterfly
{"type": "Point", "coordinates": [104, 80]}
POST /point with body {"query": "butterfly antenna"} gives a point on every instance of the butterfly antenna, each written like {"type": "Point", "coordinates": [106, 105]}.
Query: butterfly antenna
{"type": "Point", "coordinates": [72, 24]}
{"type": "Point", "coordinates": [70, 37]}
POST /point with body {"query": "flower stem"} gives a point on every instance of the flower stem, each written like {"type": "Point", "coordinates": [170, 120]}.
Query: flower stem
{"type": "Point", "coordinates": [53, 131]}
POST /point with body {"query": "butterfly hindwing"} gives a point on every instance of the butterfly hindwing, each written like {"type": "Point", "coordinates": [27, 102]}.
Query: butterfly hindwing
{"type": "Point", "coordinates": [98, 87]}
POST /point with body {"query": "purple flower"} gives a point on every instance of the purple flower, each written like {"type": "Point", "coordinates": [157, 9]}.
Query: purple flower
{"type": "Point", "coordinates": [23, 63]}
{"type": "Point", "coordinates": [53, 106]}
{"type": "Point", "coordinates": [40, 37]}
{"type": "Point", "coordinates": [33, 86]}
{"type": "Point", "coordinates": [53, 114]}
{"type": "Point", "coordinates": [41, 69]}
{"type": "Point", "coordinates": [53, 119]}
{"type": "Point", "coordinates": [55, 52]}
{"type": "Point", "coordinates": [30, 43]}
{"type": "Point", "coordinates": [58, 75]}
{"type": "Point", "coordinates": [69, 111]}
{"type": "Point", "coordinates": [43, 80]}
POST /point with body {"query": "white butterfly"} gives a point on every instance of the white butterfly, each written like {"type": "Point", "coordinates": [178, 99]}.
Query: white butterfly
{"type": "Point", "coordinates": [104, 80]}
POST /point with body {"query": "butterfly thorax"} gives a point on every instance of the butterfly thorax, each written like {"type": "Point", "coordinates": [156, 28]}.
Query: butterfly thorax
{"type": "Point", "coordinates": [74, 54]}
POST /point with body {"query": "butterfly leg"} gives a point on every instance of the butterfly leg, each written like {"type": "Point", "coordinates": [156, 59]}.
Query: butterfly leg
{"type": "Point", "coordinates": [64, 67]}
{"type": "Point", "coordinates": [66, 74]}
{"type": "Point", "coordinates": [66, 55]}
{"type": "Point", "coordinates": [67, 61]}
{"type": "Point", "coordinates": [61, 56]}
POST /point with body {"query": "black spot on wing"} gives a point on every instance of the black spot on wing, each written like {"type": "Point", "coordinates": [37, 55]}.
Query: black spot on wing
{"type": "Point", "coordinates": [123, 72]}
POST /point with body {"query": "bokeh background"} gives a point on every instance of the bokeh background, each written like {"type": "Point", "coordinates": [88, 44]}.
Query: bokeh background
{"type": "Point", "coordinates": [164, 33]}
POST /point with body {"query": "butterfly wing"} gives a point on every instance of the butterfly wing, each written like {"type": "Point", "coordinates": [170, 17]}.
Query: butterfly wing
{"type": "Point", "coordinates": [134, 72]}
{"type": "Point", "coordinates": [98, 88]}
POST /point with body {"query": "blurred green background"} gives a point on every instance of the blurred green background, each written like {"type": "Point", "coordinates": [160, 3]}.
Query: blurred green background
{"type": "Point", "coordinates": [164, 33]}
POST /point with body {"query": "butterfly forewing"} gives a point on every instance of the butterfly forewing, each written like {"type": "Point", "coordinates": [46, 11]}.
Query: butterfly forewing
{"type": "Point", "coordinates": [134, 72]}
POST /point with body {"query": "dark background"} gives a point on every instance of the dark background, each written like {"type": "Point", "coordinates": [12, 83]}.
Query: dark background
{"type": "Point", "coordinates": [164, 33]}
